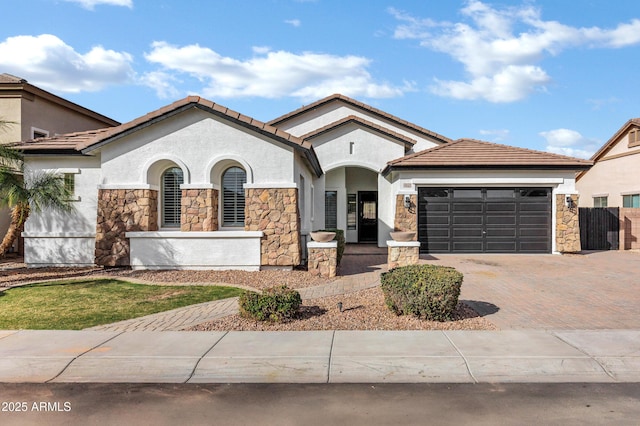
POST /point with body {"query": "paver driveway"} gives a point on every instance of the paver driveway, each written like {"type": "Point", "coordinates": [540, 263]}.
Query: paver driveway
{"type": "Point", "coordinates": [592, 290]}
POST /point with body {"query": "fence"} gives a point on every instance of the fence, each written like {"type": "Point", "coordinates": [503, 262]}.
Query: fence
{"type": "Point", "coordinates": [599, 228]}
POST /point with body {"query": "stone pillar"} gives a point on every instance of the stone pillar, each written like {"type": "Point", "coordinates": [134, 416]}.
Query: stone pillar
{"type": "Point", "coordinates": [322, 258]}
{"type": "Point", "coordinates": [406, 219]}
{"type": "Point", "coordinates": [629, 228]}
{"type": "Point", "coordinates": [199, 210]}
{"type": "Point", "coordinates": [274, 211]}
{"type": "Point", "coordinates": [567, 224]}
{"type": "Point", "coordinates": [121, 211]}
{"type": "Point", "coordinates": [402, 253]}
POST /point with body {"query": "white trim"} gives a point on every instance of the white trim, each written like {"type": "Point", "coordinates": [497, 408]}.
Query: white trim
{"type": "Point", "coordinates": [407, 192]}
{"type": "Point", "coordinates": [58, 234]}
{"type": "Point", "coordinates": [316, 244]}
{"type": "Point", "coordinates": [199, 186]}
{"type": "Point", "coordinates": [38, 130]}
{"type": "Point", "coordinates": [129, 186]}
{"type": "Point", "coordinates": [508, 181]}
{"type": "Point", "coordinates": [67, 170]}
{"type": "Point", "coordinates": [637, 191]}
{"type": "Point", "coordinates": [270, 185]}
{"type": "Point", "coordinates": [392, 243]}
{"type": "Point", "coordinates": [599, 195]}
{"type": "Point", "coordinates": [186, 174]}
{"type": "Point", "coordinates": [228, 157]}
{"type": "Point", "coordinates": [199, 234]}
{"type": "Point", "coordinates": [351, 163]}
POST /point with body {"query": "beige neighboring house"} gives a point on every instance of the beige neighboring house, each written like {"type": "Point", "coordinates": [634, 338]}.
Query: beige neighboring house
{"type": "Point", "coordinates": [35, 113]}
{"type": "Point", "coordinates": [613, 181]}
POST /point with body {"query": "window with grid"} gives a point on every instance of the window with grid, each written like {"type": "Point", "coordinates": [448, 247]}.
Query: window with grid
{"type": "Point", "coordinates": [331, 209]}
{"type": "Point", "coordinates": [632, 200]}
{"type": "Point", "coordinates": [171, 194]}
{"type": "Point", "coordinates": [600, 201]}
{"type": "Point", "coordinates": [233, 202]}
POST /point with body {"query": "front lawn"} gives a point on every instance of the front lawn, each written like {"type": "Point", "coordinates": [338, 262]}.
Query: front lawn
{"type": "Point", "coordinates": [78, 304]}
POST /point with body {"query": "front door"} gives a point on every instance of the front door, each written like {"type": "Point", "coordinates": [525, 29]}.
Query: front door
{"type": "Point", "coordinates": [367, 216]}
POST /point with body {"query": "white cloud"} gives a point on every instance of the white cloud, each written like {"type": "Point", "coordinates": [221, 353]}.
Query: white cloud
{"type": "Point", "coordinates": [273, 74]}
{"type": "Point", "coordinates": [91, 4]}
{"type": "Point", "coordinates": [496, 135]}
{"type": "Point", "coordinates": [48, 62]}
{"type": "Point", "coordinates": [293, 22]}
{"type": "Point", "coordinates": [500, 48]}
{"type": "Point", "coordinates": [569, 142]}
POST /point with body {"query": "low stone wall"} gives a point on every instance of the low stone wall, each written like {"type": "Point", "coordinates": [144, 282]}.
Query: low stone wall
{"type": "Point", "coordinates": [567, 225]}
{"type": "Point", "coordinates": [322, 259]}
{"type": "Point", "coordinates": [406, 219]}
{"type": "Point", "coordinates": [121, 211]}
{"type": "Point", "coordinates": [199, 210]}
{"type": "Point", "coordinates": [629, 228]}
{"type": "Point", "coordinates": [274, 211]}
{"type": "Point", "coordinates": [402, 253]}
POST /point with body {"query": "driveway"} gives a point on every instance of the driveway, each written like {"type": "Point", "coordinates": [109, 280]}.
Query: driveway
{"type": "Point", "coordinates": [591, 290]}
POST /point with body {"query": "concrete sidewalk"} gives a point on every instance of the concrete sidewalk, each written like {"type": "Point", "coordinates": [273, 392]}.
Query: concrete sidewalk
{"type": "Point", "coordinates": [320, 356]}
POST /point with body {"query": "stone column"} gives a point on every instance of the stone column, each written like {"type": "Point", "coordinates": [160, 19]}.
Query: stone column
{"type": "Point", "coordinates": [121, 211]}
{"type": "Point", "coordinates": [406, 219]}
{"type": "Point", "coordinates": [199, 210]}
{"type": "Point", "coordinates": [567, 224]}
{"type": "Point", "coordinates": [274, 211]}
{"type": "Point", "coordinates": [322, 258]}
{"type": "Point", "coordinates": [402, 253]}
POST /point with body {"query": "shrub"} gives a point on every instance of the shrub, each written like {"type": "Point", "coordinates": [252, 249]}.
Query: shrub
{"type": "Point", "coordinates": [274, 304]}
{"type": "Point", "coordinates": [427, 291]}
{"type": "Point", "coordinates": [340, 239]}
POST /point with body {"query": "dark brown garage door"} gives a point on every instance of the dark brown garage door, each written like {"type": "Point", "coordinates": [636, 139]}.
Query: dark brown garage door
{"type": "Point", "coordinates": [484, 220]}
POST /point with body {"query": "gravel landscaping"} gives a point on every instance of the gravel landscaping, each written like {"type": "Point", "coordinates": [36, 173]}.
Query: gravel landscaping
{"type": "Point", "coordinates": [362, 310]}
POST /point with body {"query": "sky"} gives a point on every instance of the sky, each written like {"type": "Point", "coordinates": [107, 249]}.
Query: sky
{"type": "Point", "coordinates": [552, 75]}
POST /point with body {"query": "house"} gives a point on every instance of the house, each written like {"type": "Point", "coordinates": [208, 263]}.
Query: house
{"type": "Point", "coordinates": [196, 185]}
{"type": "Point", "coordinates": [35, 113]}
{"type": "Point", "coordinates": [613, 181]}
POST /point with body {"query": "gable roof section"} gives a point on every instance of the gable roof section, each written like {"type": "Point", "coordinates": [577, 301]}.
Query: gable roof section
{"type": "Point", "coordinates": [363, 107]}
{"type": "Point", "coordinates": [86, 142]}
{"type": "Point", "coordinates": [408, 142]}
{"type": "Point", "coordinates": [604, 149]}
{"type": "Point", "coordinates": [471, 153]}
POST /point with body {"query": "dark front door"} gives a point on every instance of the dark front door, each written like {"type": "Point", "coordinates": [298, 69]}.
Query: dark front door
{"type": "Point", "coordinates": [367, 216]}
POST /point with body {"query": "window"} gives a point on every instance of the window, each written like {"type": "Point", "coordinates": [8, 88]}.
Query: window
{"type": "Point", "coordinates": [233, 180]}
{"type": "Point", "coordinates": [634, 138]}
{"type": "Point", "coordinates": [70, 183]}
{"type": "Point", "coordinates": [351, 211]}
{"type": "Point", "coordinates": [171, 195]}
{"type": "Point", "coordinates": [38, 133]}
{"type": "Point", "coordinates": [600, 201]}
{"type": "Point", "coordinates": [632, 200]}
{"type": "Point", "coordinates": [331, 209]}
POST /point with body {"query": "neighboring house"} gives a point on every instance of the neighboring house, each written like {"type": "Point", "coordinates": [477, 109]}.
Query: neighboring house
{"type": "Point", "coordinates": [613, 180]}
{"type": "Point", "coordinates": [31, 112]}
{"type": "Point", "coordinates": [196, 185]}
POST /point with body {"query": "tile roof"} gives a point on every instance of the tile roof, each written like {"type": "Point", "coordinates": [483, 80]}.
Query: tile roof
{"type": "Point", "coordinates": [471, 153]}
{"type": "Point", "coordinates": [8, 78]}
{"type": "Point", "coordinates": [365, 123]}
{"type": "Point", "coordinates": [86, 142]}
{"type": "Point", "coordinates": [362, 106]}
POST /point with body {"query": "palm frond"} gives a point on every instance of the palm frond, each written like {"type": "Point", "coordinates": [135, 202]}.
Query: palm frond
{"type": "Point", "coordinates": [47, 190]}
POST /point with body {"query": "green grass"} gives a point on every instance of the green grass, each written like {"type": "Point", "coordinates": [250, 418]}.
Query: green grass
{"type": "Point", "coordinates": [78, 304]}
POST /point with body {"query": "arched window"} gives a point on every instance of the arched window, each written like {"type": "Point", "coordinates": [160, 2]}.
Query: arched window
{"type": "Point", "coordinates": [171, 194]}
{"type": "Point", "coordinates": [233, 180]}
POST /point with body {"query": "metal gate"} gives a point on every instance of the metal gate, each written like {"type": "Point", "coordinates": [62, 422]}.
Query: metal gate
{"type": "Point", "coordinates": [599, 228]}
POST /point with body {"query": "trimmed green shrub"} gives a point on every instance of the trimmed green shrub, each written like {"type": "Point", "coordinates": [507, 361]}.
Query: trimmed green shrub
{"type": "Point", "coordinates": [340, 239]}
{"type": "Point", "coordinates": [275, 304]}
{"type": "Point", "coordinates": [428, 291]}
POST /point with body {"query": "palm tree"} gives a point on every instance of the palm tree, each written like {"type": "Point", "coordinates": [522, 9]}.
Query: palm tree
{"type": "Point", "coordinates": [24, 191]}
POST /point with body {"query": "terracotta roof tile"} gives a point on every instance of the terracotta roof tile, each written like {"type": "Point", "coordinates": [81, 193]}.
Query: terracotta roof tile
{"type": "Point", "coordinates": [359, 120]}
{"type": "Point", "coordinates": [471, 153]}
{"type": "Point", "coordinates": [382, 114]}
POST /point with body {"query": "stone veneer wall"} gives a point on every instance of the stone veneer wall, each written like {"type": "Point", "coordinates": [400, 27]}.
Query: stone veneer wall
{"type": "Point", "coordinates": [567, 225]}
{"type": "Point", "coordinates": [121, 211]}
{"type": "Point", "coordinates": [402, 256]}
{"type": "Point", "coordinates": [406, 218]}
{"type": "Point", "coordinates": [199, 210]}
{"type": "Point", "coordinates": [274, 211]}
{"type": "Point", "coordinates": [322, 261]}
{"type": "Point", "coordinates": [629, 228]}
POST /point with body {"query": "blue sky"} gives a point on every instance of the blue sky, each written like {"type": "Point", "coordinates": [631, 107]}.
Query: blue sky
{"type": "Point", "coordinates": [554, 75]}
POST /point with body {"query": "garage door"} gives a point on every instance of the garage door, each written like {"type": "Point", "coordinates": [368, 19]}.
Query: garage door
{"type": "Point", "coordinates": [484, 220]}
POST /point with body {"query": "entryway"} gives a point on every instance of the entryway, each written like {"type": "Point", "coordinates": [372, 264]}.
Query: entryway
{"type": "Point", "coordinates": [367, 216]}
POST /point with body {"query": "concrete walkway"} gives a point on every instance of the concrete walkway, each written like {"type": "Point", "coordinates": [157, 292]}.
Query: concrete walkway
{"type": "Point", "coordinates": [321, 356]}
